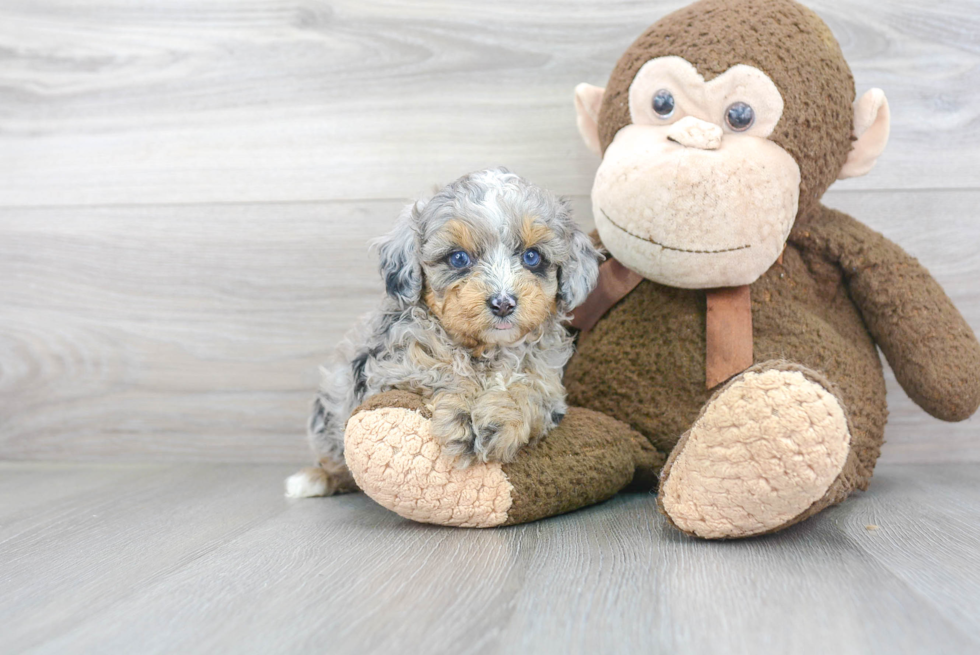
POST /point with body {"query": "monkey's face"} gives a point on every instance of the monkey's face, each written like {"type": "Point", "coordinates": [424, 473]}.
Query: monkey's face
{"type": "Point", "coordinates": [693, 194]}
{"type": "Point", "coordinates": [492, 282]}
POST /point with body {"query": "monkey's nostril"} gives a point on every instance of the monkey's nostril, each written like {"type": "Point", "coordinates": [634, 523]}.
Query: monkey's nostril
{"type": "Point", "coordinates": [502, 304]}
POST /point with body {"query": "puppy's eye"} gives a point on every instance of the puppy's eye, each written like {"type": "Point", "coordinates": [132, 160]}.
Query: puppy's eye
{"type": "Point", "coordinates": [531, 258]}
{"type": "Point", "coordinates": [740, 117]}
{"type": "Point", "coordinates": [459, 259]}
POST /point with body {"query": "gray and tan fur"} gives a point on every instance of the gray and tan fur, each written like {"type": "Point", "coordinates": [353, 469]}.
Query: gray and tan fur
{"type": "Point", "coordinates": [483, 343]}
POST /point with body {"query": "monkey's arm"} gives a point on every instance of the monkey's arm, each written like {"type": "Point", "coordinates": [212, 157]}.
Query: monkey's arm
{"type": "Point", "coordinates": [931, 348]}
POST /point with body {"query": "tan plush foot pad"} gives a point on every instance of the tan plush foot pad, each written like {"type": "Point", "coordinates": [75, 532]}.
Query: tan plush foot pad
{"type": "Point", "coordinates": [764, 450]}
{"type": "Point", "coordinates": [398, 463]}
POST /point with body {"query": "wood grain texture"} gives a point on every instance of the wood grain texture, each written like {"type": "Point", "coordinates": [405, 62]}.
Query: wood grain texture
{"type": "Point", "coordinates": [187, 330]}
{"type": "Point", "coordinates": [206, 559]}
{"type": "Point", "coordinates": [115, 102]}
{"type": "Point", "coordinates": [195, 332]}
{"type": "Point", "coordinates": [187, 190]}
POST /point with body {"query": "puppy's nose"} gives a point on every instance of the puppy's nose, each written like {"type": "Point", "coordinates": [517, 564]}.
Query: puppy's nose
{"type": "Point", "coordinates": [502, 304]}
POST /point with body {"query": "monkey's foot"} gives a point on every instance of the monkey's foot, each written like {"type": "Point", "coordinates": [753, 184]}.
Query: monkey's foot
{"type": "Point", "coordinates": [395, 459]}
{"type": "Point", "coordinates": [769, 449]}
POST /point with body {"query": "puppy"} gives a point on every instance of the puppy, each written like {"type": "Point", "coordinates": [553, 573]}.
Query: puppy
{"type": "Point", "coordinates": [479, 279]}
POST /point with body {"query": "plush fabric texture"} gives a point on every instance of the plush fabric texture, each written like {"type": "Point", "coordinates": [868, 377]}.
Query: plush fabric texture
{"type": "Point", "coordinates": [694, 133]}
{"type": "Point", "coordinates": [872, 125]}
{"type": "Point", "coordinates": [926, 340]}
{"type": "Point", "coordinates": [705, 100]}
{"type": "Point", "coordinates": [715, 35]}
{"type": "Point", "coordinates": [395, 398]}
{"type": "Point", "coordinates": [585, 460]}
{"type": "Point", "coordinates": [397, 462]}
{"type": "Point", "coordinates": [765, 448]}
{"type": "Point", "coordinates": [840, 288]}
{"type": "Point", "coordinates": [644, 362]}
{"type": "Point", "coordinates": [588, 99]}
{"type": "Point", "coordinates": [691, 218]}
{"type": "Point", "coordinates": [615, 281]}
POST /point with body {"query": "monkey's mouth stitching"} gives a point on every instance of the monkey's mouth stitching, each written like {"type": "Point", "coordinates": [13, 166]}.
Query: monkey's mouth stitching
{"type": "Point", "coordinates": [657, 243]}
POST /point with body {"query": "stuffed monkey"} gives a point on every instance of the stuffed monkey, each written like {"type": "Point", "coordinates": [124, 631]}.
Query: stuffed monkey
{"type": "Point", "coordinates": [729, 353]}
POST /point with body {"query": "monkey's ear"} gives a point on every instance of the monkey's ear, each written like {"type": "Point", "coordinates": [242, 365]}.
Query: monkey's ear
{"type": "Point", "coordinates": [401, 262]}
{"type": "Point", "coordinates": [872, 122]}
{"type": "Point", "coordinates": [588, 99]}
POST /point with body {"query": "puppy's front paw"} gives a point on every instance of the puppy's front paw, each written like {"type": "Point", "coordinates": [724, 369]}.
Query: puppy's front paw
{"type": "Point", "coordinates": [501, 428]}
{"type": "Point", "coordinates": [499, 441]}
{"type": "Point", "coordinates": [452, 426]}
{"type": "Point", "coordinates": [491, 428]}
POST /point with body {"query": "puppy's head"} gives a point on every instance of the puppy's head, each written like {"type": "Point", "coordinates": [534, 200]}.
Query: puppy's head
{"type": "Point", "coordinates": [491, 255]}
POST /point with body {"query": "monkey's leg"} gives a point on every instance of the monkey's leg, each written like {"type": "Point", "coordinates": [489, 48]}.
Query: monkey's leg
{"type": "Point", "coordinates": [771, 448]}
{"type": "Point", "coordinates": [585, 460]}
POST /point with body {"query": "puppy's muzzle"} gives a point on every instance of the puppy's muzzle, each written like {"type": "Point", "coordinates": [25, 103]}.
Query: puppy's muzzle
{"type": "Point", "coordinates": [502, 304]}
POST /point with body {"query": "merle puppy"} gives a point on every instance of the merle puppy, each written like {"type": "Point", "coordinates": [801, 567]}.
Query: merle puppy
{"type": "Point", "coordinates": [479, 279]}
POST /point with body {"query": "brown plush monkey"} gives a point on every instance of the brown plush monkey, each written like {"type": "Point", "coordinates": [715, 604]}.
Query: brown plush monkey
{"type": "Point", "coordinates": [733, 336]}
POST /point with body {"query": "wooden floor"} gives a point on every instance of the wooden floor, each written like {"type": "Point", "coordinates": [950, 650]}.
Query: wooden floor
{"type": "Point", "coordinates": [203, 558]}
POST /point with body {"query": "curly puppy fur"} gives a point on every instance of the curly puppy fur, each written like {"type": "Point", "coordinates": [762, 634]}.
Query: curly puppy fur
{"type": "Point", "coordinates": [482, 342]}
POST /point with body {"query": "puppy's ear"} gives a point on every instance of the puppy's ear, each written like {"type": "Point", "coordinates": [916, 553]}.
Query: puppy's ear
{"type": "Point", "coordinates": [578, 275]}
{"type": "Point", "coordinates": [401, 264]}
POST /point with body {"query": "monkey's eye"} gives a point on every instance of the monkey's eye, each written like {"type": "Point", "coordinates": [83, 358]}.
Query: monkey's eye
{"type": "Point", "coordinates": [459, 259]}
{"type": "Point", "coordinates": [663, 103]}
{"type": "Point", "coordinates": [531, 258]}
{"type": "Point", "coordinates": [740, 117]}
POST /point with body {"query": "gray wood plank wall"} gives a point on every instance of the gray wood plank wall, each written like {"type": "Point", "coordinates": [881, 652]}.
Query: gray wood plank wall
{"type": "Point", "coordinates": [187, 190]}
